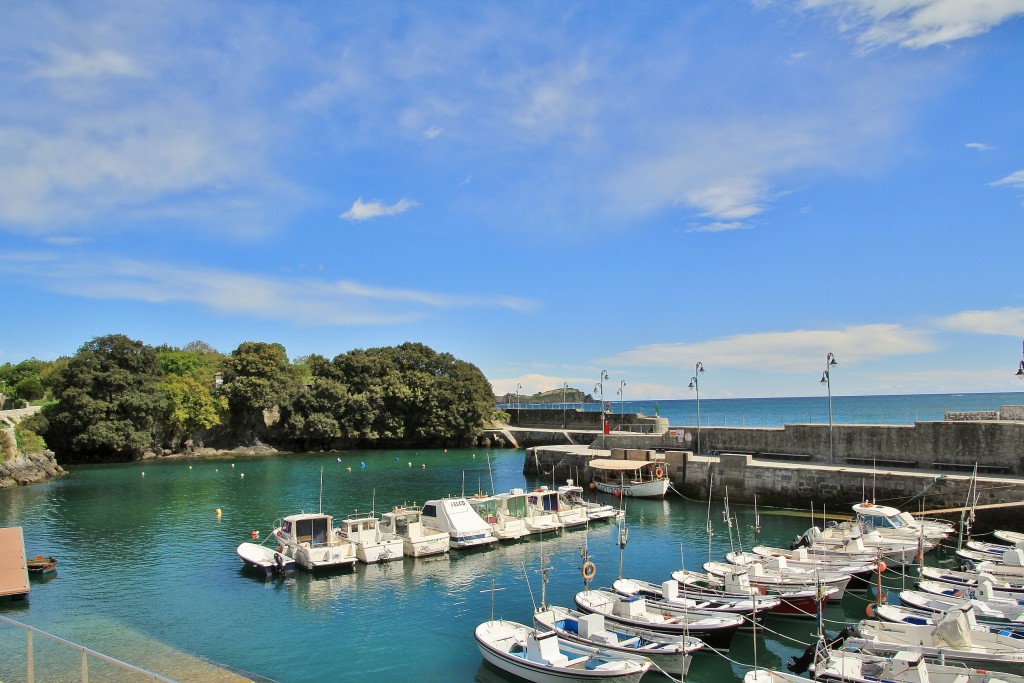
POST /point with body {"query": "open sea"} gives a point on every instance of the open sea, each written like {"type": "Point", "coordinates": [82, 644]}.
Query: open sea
{"type": "Point", "coordinates": [148, 571]}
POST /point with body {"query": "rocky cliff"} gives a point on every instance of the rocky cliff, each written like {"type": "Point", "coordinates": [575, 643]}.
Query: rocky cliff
{"type": "Point", "coordinates": [30, 468]}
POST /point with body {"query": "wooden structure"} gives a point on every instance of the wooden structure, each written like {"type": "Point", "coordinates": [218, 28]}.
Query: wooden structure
{"type": "Point", "coordinates": [13, 570]}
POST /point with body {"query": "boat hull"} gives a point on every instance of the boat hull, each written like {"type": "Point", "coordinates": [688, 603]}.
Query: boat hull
{"type": "Point", "coordinates": [647, 489]}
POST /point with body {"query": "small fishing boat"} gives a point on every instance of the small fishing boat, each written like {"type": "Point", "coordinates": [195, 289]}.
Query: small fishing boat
{"type": "Point", "coordinates": [996, 549]}
{"type": "Point", "coordinates": [495, 511]}
{"type": "Point", "coordinates": [1006, 586]}
{"type": "Point", "coordinates": [951, 638]}
{"type": "Point", "coordinates": [537, 519]}
{"type": "Point", "coordinates": [418, 540]}
{"type": "Point", "coordinates": [267, 561]}
{"type": "Point", "coordinates": [312, 541]}
{"type": "Point", "coordinates": [461, 522]}
{"type": "Point", "coordinates": [1011, 537]}
{"type": "Point", "coordinates": [716, 629]}
{"type": "Point", "coordinates": [988, 608]}
{"type": "Point", "coordinates": [984, 589]}
{"type": "Point", "coordinates": [793, 601]}
{"type": "Point", "coordinates": [776, 574]}
{"type": "Point", "coordinates": [670, 653]}
{"type": "Point", "coordinates": [41, 565]}
{"type": "Point", "coordinates": [545, 657]}
{"type": "Point", "coordinates": [860, 573]}
{"type": "Point", "coordinates": [595, 511]}
{"type": "Point", "coordinates": [890, 521]}
{"type": "Point", "coordinates": [634, 478]}
{"type": "Point", "coordinates": [373, 543]}
{"type": "Point", "coordinates": [850, 666]}
{"type": "Point", "coordinates": [895, 552]}
{"type": "Point", "coordinates": [747, 607]}
{"type": "Point", "coordinates": [910, 615]}
{"type": "Point", "coordinates": [545, 500]}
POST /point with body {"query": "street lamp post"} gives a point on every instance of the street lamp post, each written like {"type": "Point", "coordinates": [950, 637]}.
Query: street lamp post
{"type": "Point", "coordinates": [519, 415]}
{"type": "Point", "coordinates": [565, 386]}
{"type": "Point", "coordinates": [695, 385]}
{"type": "Point", "coordinates": [826, 379]}
{"type": "Point", "coordinates": [1020, 368]}
{"type": "Point", "coordinates": [622, 399]}
{"type": "Point", "coordinates": [600, 388]}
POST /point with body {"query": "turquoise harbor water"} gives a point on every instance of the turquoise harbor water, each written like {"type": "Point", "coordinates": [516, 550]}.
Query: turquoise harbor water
{"type": "Point", "coordinates": [146, 561]}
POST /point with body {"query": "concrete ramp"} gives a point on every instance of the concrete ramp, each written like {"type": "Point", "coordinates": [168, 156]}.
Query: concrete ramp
{"type": "Point", "coordinates": [507, 433]}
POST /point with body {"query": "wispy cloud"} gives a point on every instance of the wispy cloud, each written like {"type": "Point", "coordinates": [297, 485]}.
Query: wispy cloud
{"type": "Point", "coordinates": [89, 65]}
{"type": "Point", "coordinates": [432, 132]}
{"type": "Point", "coordinates": [362, 211]}
{"type": "Point", "coordinates": [918, 24]}
{"type": "Point", "coordinates": [304, 301]}
{"type": "Point", "coordinates": [1015, 179]}
{"type": "Point", "coordinates": [797, 350]}
{"type": "Point", "coordinates": [1002, 321]}
{"type": "Point", "coordinates": [980, 146]}
{"type": "Point", "coordinates": [719, 226]}
{"type": "Point", "coordinates": [64, 241]}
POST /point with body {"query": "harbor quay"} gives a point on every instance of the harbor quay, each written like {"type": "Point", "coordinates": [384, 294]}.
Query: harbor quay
{"type": "Point", "coordinates": [932, 464]}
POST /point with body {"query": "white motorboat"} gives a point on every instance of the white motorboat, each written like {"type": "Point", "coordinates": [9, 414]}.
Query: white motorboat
{"type": "Point", "coordinates": [749, 607]}
{"type": "Point", "coordinates": [890, 521]}
{"type": "Point", "coordinates": [545, 500]}
{"type": "Point", "coordinates": [952, 638]}
{"type": "Point", "coordinates": [537, 519]}
{"type": "Point", "coordinates": [860, 573]}
{"type": "Point", "coordinates": [670, 653]}
{"type": "Point", "coordinates": [373, 543]}
{"type": "Point", "coordinates": [850, 666]}
{"type": "Point", "coordinates": [634, 478]}
{"type": "Point", "coordinates": [504, 523]}
{"type": "Point", "coordinates": [760, 675]}
{"type": "Point", "coordinates": [952, 579]}
{"type": "Point", "coordinates": [595, 510]}
{"type": "Point", "coordinates": [716, 629]}
{"type": "Point", "coordinates": [988, 608]}
{"type": "Point", "coordinates": [418, 540]}
{"type": "Point", "coordinates": [795, 601]}
{"type": "Point", "coordinates": [776, 574]}
{"type": "Point", "coordinates": [458, 518]}
{"type": "Point", "coordinates": [996, 549]}
{"type": "Point", "coordinates": [984, 588]}
{"type": "Point", "coordinates": [848, 555]}
{"type": "Point", "coordinates": [1011, 537]}
{"type": "Point", "coordinates": [311, 540]}
{"type": "Point", "coordinates": [847, 535]}
{"type": "Point", "coordinates": [266, 560]}
{"type": "Point", "coordinates": [544, 657]}
{"type": "Point", "coordinates": [910, 615]}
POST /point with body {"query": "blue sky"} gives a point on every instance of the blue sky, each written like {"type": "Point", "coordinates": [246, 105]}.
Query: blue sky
{"type": "Point", "coordinates": [546, 190]}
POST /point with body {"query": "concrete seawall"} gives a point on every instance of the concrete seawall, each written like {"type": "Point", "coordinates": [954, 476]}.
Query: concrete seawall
{"type": "Point", "coordinates": [801, 485]}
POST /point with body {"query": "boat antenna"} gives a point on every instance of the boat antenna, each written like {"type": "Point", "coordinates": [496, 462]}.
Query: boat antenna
{"type": "Point", "coordinates": [529, 588]}
{"type": "Point", "coordinates": [321, 489]}
{"type": "Point", "coordinates": [373, 502]}
{"type": "Point", "coordinates": [757, 519]}
{"type": "Point", "coordinates": [874, 470]}
{"type": "Point", "coordinates": [543, 580]}
{"type": "Point", "coordinates": [490, 474]}
{"type": "Point", "coordinates": [623, 537]}
{"type": "Point", "coordinates": [710, 529]}
{"type": "Point", "coordinates": [492, 590]}
{"type": "Point", "coordinates": [463, 483]}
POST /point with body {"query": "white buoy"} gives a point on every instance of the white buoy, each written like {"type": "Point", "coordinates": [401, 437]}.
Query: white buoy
{"type": "Point", "coordinates": [410, 464]}
{"type": "Point", "coordinates": [232, 464]}
{"type": "Point", "coordinates": [190, 466]}
{"type": "Point", "coordinates": [243, 475]}
{"type": "Point", "coordinates": [143, 474]}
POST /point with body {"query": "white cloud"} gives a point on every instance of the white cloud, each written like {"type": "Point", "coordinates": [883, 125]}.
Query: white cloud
{"type": "Point", "coordinates": [59, 241]}
{"type": "Point", "coordinates": [737, 199]}
{"type": "Point", "coordinates": [362, 211]}
{"type": "Point", "coordinates": [304, 301]}
{"type": "Point", "coordinates": [433, 132]}
{"type": "Point", "coordinates": [797, 350]}
{"type": "Point", "coordinates": [93, 65]}
{"type": "Point", "coordinates": [918, 24]}
{"type": "Point", "coordinates": [719, 226]}
{"type": "Point", "coordinates": [1003, 321]}
{"type": "Point", "coordinates": [980, 146]}
{"type": "Point", "coordinates": [1015, 179]}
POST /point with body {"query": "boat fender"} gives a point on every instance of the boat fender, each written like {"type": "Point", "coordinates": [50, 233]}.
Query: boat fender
{"type": "Point", "coordinates": [588, 570]}
{"type": "Point", "coordinates": [255, 534]}
{"type": "Point", "coordinates": [659, 472]}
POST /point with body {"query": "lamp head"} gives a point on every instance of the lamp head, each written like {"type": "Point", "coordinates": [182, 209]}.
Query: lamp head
{"type": "Point", "coordinates": [824, 377]}
{"type": "Point", "coordinates": [692, 382]}
{"type": "Point", "coordinates": [1020, 370]}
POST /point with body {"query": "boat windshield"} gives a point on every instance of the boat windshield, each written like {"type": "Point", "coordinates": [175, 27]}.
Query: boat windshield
{"type": "Point", "coordinates": [312, 530]}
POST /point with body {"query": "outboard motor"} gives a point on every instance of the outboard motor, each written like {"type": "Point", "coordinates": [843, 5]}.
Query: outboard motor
{"type": "Point", "coordinates": [799, 665]}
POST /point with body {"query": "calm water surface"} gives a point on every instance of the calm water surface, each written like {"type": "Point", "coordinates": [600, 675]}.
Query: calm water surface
{"type": "Point", "coordinates": [146, 564]}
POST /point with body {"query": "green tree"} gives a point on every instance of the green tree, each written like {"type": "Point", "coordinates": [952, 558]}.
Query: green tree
{"type": "Point", "coordinates": [109, 402]}
{"type": "Point", "coordinates": [191, 409]}
{"type": "Point", "coordinates": [29, 389]}
{"type": "Point", "coordinates": [257, 377]}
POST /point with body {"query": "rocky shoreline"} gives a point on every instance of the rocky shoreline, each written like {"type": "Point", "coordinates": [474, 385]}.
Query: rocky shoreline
{"type": "Point", "coordinates": [29, 468]}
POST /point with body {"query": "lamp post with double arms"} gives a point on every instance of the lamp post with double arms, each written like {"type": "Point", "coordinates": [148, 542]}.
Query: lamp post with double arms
{"type": "Point", "coordinates": [1020, 368]}
{"type": "Point", "coordinates": [519, 416]}
{"type": "Point", "coordinates": [826, 379]}
{"type": "Point", "coordinates": [695, 385]}
{"type": "Point", "coordinates": [600, 388]}
{"type": "Point", "coordinates": [622, 399]}
{"type": "Point", "coordinates": [565, 387]}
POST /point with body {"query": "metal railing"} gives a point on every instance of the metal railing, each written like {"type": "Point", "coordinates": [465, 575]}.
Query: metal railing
{"type": "Point", "coordinates": [85, 654]}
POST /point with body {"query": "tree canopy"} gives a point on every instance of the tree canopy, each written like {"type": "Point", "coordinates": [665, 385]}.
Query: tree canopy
{"type": "Point", "coordinates": [117, 397]}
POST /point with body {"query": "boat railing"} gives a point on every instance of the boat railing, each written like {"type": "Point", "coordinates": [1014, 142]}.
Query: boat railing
{"type": "Point", "coordinates": [85, 655]}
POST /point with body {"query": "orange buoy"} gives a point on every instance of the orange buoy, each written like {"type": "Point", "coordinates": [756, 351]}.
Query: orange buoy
{"type": "Point", "coordinates": [870, 610]}
{"type": "Point", "coordinates": [255, 534]}
{"type": "Point", "coordinates": [593, 486]}
{"type": "Point", "coordinates": [882, 567]}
